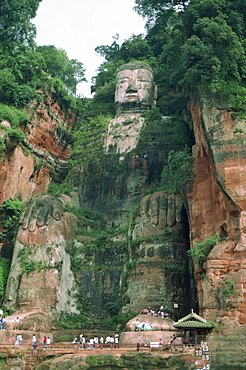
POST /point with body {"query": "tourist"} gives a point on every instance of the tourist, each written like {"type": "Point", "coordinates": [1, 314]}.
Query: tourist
{"type": "Point", "coordinates": [34, 346]}
{"type": "Point", "coordinates": [34, 340]}
{"type": "Point", "coordinates": [138, 347]}
{"type": "Point", "coordinates": [116, 341]}
{"type": "Point", "coordinates": [101, 340]}
{"type": "Point", "coordinates": [3, 323]}
{"type": "Point", "coordinates": [48, 342]}
{"type": "Point", "coordinates": [96, 340]}
{"type": "Point", "coordinates": [107, 341]}
{"type": "Point", "coordinates": [83, 343]}
{"type": "Point", "coordinates": [16, 323]}
{"type": "Point", "coordinates": [137, 323]}
{"type": "Point", "coordinates": [45, 343]}
{"type": "Point", "coordinates": [172, 339]}
{"type": "Point", "coordinates": [160, 345]}
{"type": "Point", "coordinates": [18, 340]}
{"type": "Point", "coordinates": [112, 342]}
{"type": "Point", "coordinates": [91, 344]}
{"type": "Point", "coordinates": [75, 343]}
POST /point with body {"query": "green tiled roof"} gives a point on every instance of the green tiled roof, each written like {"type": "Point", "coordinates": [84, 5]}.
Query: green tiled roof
{"type": "Point", "coordinates": [192, 321]}
{"type": "Point", "coordinates": [192, 324]}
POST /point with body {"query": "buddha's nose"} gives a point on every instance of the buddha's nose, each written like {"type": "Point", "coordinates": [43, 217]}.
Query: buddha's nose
{"type": "Point", "coordinates": [132, 88]}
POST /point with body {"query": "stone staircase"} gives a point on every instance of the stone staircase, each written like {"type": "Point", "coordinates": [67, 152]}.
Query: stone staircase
{"type": "Point", "coordinates": [31, 361]}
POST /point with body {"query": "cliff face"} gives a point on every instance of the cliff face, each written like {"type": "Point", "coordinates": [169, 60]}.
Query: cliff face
{"type": "Point", "coordinates": [143, 260]}
{"type": "Point", "coordinates": [217, 205]}
{"type": "Point", "coordinates": [40, 265]}
{"type": "Point", "coordinates": [23, 174]}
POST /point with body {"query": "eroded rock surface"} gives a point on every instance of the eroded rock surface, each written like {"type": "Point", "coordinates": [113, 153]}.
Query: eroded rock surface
{"type": "Point", "coordinates": [159, 273]}
{"type": "Point", "coordinates": [217, 205]}
{"type": "Point", "coordinates": [21, 175]}
{"type": "Point", "coordinates": [40, 276]}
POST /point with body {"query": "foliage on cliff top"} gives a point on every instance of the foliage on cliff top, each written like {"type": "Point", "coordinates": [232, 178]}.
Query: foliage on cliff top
{"type": "Point", "coordinates": [58, 65]}
{"type": "Point", "coordinates": [25, 68]}
{"type": "Point", "coordinates": [200, 43]}
{"type": "Point", "coordinates": [13, 115]}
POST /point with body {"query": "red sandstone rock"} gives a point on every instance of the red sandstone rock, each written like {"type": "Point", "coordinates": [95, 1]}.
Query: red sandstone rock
{"type": "Point", "coordinates": [217, 205]}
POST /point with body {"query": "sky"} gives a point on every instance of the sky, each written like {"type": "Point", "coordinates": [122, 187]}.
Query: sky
{"type": "Point", "coordinates": [79, 26]}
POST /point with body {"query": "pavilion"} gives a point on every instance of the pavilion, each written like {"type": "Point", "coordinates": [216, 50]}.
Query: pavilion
{"type": "Point", "coordinates": [193, 328]}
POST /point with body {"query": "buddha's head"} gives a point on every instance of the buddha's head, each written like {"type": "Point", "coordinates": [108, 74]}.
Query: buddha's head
{"type": "Point", "coordinates": [135, 88]}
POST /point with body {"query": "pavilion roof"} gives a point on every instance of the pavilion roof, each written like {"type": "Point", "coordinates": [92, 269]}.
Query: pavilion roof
{"type": "Point", "coordinates": [192, 321]}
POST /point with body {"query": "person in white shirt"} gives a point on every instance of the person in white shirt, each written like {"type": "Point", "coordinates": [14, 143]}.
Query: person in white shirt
{"type": "Point", "coordinates": [48, 342]}
{"type": "Point", "coordinates": [17, 323]}
{"type": "Point", "coordinates": [101, 340]}
{"type": "Point", "coordinates": [91, 344]}
{"type": "Point", "coordinates": [34, 340]}
{"type": "Point", "coordinates": [116, 341]}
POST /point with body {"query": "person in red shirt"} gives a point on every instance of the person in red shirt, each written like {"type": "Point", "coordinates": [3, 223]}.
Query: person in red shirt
{"type": "Point", "coordinates": [45, 342]}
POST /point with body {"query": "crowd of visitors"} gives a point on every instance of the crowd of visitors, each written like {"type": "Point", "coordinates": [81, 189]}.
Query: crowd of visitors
{"type": "Point", "coordinates": [160, 313]}
{"type": "Point", "coordinates": [96, 342]}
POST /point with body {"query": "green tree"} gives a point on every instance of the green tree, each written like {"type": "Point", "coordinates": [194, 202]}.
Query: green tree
{"type": "Point", "coordinates": [198, 44]}
{"type": "Point", "coordinates": [15, 26]}
{"type": "Point", "coordinates": [109, 52]}
{"type": "Point", "coordinates": [214, 56]}
{"type": "Point", "coordinates": [135, 48]}
{"type": "Point", "coordinates": [153, 8]}
{"type": "Point", "coordinates": [58, 65]}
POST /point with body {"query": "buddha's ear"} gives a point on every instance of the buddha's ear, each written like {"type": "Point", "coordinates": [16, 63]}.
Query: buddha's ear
{"type": "Point", "coordinates": [154, 97]}
{"type": "Point", "coordinates": [155, 92]}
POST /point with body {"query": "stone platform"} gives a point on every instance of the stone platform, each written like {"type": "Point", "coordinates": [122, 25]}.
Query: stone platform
{"type": "Point", "coordinates": [156, 321]}
{"type": "Point", "coordinates": [163, 329]}
{"type": "Point", "coordinates": [145, 337]}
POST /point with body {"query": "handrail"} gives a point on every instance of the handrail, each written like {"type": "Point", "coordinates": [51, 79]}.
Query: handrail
{"type": "Point", "coordinates": [70, 346]}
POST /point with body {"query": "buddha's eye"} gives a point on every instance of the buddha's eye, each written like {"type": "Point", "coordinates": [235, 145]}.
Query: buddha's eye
{"type": "Point", "coordinates": [123, 80]}
{"type": "Point", "coordinates": [143, 80]}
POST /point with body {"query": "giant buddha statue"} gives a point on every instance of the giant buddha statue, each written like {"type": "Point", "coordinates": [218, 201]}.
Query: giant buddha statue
{"type": "Point", "coordinates": [135, 93]}
{"type": "Point", "coordinates": [45, 228]}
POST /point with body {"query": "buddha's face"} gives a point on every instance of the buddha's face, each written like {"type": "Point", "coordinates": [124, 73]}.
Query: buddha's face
{"type": "Point", "coordinates": [134, 86]}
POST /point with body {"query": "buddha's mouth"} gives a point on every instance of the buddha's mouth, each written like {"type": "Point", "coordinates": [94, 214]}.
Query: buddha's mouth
{"type": "Point", "coordinates": [132, 95]}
